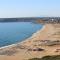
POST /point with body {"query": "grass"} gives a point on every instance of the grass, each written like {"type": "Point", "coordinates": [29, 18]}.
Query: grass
{"type": "Point", "coordinates": [56, 57]}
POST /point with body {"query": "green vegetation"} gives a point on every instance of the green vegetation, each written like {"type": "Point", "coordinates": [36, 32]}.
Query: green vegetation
{"type": "Point", "coordinates": [57, 57]}
{"type": "Point", "coordinates": [35, 59]}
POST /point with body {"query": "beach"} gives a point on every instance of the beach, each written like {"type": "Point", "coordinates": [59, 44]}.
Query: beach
{"type": "Point", "coordinates": [45, 40]}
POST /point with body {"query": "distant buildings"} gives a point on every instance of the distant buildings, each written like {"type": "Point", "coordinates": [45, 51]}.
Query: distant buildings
{"type": "Point", "coordinates": [49, 20]}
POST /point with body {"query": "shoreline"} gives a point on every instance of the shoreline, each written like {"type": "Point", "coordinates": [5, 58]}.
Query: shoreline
{"type": "Point", "coordinates": [22, 50]}
{"type": "Point", "coordinates": [12, 45]}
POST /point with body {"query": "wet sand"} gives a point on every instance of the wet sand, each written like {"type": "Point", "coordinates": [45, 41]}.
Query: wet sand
{"type": "Point", "coordinates": [25, 49]}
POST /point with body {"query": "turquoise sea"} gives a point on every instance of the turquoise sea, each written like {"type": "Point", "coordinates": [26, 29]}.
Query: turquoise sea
{"type": "Point", "coordinates": [14, 32]}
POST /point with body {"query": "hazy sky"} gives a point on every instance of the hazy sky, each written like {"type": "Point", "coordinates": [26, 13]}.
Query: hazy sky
{"type": "Point", "coordinates": [29, 8]}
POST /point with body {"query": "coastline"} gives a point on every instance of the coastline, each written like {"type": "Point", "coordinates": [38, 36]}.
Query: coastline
{"type": "Point", "coordinates": [15, 52]}
{"type": "Point", "coordinates": [12, 45]}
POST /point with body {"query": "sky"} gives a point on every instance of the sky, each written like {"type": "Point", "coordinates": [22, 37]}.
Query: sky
{"type": "Point", "coordinates": [29, 8]}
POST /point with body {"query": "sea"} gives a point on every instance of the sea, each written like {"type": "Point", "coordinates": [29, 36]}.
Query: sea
{"type": "Point", "coordinates": [15, 32]}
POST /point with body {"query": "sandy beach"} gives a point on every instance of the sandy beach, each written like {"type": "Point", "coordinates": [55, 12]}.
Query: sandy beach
{"type": "Point", "coordinates": [43, 42]}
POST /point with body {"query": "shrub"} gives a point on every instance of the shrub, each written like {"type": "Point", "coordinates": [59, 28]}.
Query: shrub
{"type": "Point", "coordinates": [56, 57]}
